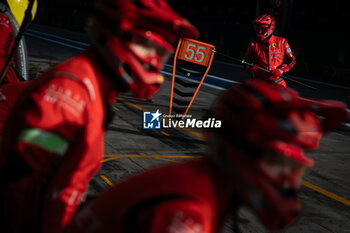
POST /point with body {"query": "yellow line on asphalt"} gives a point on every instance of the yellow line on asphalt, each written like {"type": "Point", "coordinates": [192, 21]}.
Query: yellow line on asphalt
{"type": "Point", "coordinates": [132, 105]}
{"type": "Point", "coordinates": [116, 108]}
{"type": "Point", "coordinates": [112, 157]}
{"type": "Point", "coordinates": [305, 183]}
{"type": "Point", "coordinates": [105, 179]}
{"type": "Point", "coordinates": [194, 133]}
{"type": "Point", "coordinates": [166, 134]}
{"type": "Point", "coordinates": [159, 158]}
{"type": "Point", "coordinates": [154, 156]}
{"type": "Point", "coordinates": [326, 193]}
{"type": "Point", "coordinates": [168, 160]}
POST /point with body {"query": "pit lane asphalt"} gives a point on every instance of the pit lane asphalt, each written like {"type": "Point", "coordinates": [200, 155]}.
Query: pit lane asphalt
{"type": "Point", "coordinates": [130, 149]}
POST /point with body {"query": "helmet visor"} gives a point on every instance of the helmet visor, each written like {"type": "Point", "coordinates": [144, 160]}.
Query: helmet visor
{"type": "Point", "coordinates": [261, 29]}
{"type": "Point", "coordinates": [282, 171]}
{"type": "Point", "coordinates": [149, 52]}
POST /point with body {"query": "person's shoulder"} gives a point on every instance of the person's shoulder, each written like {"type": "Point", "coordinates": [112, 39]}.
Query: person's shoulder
{"type": "Point", "coordinates": [75, 75]}
{"type": "Point", "coordinates": [279, 38]}
{"type": "Point", "coordinates": [78, 64]}
{"type": "Point", "coordinates": [253, 43]}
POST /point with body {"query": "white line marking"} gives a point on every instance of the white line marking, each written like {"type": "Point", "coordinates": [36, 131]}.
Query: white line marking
{"type": "Point", "coordinates": [58, 37]}
{"type": "Point", "coordinates": [211, 76]}
{"type": "Point", "coordinates": [194, 81]}
{"type": "Point", "coordinates": [290, 76]}
{"type": "Point", "coordinates": [55, 42]}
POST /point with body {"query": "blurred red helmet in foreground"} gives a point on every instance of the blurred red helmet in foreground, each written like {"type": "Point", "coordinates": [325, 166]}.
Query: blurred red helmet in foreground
{"type": "Point", "coordinates": [134, 38]}
{"type": "Point", "coordinates": [265, 129]}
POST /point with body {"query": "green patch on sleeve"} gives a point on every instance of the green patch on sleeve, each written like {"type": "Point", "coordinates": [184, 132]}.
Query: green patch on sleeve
{"type": "Point", "coordinates": [44, 139]}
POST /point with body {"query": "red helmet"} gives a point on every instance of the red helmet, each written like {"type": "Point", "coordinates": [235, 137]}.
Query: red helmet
{"type": "Point", "coordinates": [133, 37]}
{"type": "Point", "coordinates": [260, 144]}
{"type": "Point", "coordinates": [264, 26]}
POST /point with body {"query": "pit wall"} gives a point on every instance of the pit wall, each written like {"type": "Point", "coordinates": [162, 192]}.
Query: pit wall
{"type": "Point", "coordinates": [320, 56]}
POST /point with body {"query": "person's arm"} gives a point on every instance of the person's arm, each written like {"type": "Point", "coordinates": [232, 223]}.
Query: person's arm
{"type": "Point", "coordinates": [250, 58]}
{"type": "Point", "coordinates": [288, 61]}
{"type": "Point", "coordinates": [53, 123]}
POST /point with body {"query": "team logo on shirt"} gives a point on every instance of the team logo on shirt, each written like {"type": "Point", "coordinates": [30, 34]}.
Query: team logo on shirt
{"type": "Point", "coordinates": [274, 45]}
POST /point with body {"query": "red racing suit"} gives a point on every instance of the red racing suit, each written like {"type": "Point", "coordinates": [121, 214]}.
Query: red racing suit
{"type": "Point", "coordinates": [8, 96]}
{"type": "Point", "coordinates": [272, 53]}
{"type": "Point", "coordinates": [188, 198]}
{"type": "Point", "coordinates": [6, 43]}
{"type": "Point", "coordinates": [52, 145]}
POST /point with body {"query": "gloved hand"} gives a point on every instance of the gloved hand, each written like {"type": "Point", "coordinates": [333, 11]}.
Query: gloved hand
{"type": "Point", "coordinates": [252, 68]}
{"type": "Point", "coordinates": [276, 74]}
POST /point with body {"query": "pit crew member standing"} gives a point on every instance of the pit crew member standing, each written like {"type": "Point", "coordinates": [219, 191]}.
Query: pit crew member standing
{"type": "Point", "coordinates": [53, 140]}
{"type": "Point", "coordinates": [254, 160]}
{"type": "Point", "coordinates": [269, 52]}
